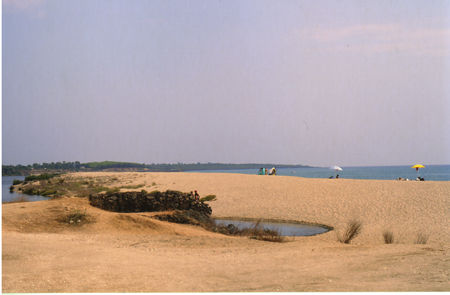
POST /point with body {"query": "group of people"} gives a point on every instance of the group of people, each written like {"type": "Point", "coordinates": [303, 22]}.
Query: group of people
{"type": "Point", "coordinates": [265, 171]}
{"type": "Point", "coordinates": [195, 195]}
{"type": "Point", "coordinates": [406, 179]}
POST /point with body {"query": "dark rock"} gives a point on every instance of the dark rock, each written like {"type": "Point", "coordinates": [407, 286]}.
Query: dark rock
{"type": "Point", "coordinates": [148, 202]}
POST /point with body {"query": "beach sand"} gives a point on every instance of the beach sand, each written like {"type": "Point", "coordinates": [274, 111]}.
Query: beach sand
{"type": "Point", "coordinates": [130, 252]}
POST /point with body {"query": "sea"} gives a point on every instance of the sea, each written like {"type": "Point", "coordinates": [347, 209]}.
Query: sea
{"type": "Point", "coordinates": [7, 181]}
{"type": "Point", "coordinates": [430, 172]}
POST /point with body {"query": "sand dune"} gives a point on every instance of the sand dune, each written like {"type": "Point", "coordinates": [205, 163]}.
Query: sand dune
{"type": "Point", "coordinates": [132, 252]}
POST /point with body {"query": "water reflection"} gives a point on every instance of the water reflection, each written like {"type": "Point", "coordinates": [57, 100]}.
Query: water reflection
{"type": "Point", "coordinates": [284, 228]}
{"type": "Point", "coordinates": [7, 196]}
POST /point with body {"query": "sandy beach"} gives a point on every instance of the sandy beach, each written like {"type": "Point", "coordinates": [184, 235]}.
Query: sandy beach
{"type": "Point", "coordinates": [130, 252]}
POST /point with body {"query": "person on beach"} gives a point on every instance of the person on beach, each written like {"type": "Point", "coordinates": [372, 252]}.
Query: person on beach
{"type": "Point", "coordinates": [191, 194]}
{"type": "Point", "coordinates": [337, 176]}
{"type": "Point", "coordinates": [196, 196]}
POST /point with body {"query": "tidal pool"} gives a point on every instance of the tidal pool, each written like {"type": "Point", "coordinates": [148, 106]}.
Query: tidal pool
{"type": "Point", "coordinates": [284, 228]}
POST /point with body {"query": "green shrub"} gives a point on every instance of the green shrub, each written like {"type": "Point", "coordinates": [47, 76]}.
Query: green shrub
{"type": "Point", "coordinates": [16, 182]}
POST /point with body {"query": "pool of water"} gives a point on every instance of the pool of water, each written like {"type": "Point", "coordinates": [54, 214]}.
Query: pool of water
{"type": "Point", "coordinates": [284, 228]}
{"type": "Point", "coordinates": [7, 196]}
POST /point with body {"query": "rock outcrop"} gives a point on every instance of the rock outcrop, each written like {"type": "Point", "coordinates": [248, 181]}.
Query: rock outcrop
{"type": "Point", "coordinates": [148, 202]}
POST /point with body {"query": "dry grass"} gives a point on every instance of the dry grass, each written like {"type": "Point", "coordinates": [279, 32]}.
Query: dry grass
{"type": "Point", "coordinates": [258, 232]}
{"type": "Point", "coordinates": [353, 229]}
{"type": "Point", "coordinates": [388, 237]}
{"type": "Point", "coordinates": [421, 238]}
{"type": "Point", "coordinates": [208, 198]}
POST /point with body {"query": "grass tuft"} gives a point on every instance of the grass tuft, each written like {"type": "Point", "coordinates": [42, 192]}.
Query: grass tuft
{"type": "Point", "coordinates": [353, 229]}
{"type": "Point", "coordinates": [208, 198]}
{"type": "Point", "coordinates": [132, 186]}
{"type": "Point", "coordinates": [388, 237]}
{"type": "Point", "coordinates": [421, 238]}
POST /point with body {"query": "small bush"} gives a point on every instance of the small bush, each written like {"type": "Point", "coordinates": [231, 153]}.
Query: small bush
{"type": "Point", "coordinates": [353, 229]}
{"type": "Point", "coordinates": [388, 237]}
{"type": "Point", "coordinates": [17, 181]}
{"type": "Point", "coordinates": [421, 238]}
{"type": "Point", "coordinates": [208, 198]}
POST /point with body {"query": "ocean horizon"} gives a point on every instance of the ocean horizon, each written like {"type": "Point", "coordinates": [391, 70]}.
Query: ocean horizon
{"type": "Point", "coordinates": [430, 172]}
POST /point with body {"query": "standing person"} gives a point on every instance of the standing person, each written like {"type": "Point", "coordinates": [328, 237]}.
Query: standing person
{"type": "Point", "coordinates": [196, 195]}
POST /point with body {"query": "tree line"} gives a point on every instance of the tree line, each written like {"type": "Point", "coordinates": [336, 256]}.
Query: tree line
{"type": "Point", "coordinates": [99, 166]}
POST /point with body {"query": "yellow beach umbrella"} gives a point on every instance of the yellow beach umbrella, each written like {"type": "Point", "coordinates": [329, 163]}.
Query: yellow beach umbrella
{"type": "Point", "coordinates": [417, 166]}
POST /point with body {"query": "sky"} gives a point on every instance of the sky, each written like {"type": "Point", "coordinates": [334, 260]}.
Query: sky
{"type": "Point", "coordinates": [321, 83]}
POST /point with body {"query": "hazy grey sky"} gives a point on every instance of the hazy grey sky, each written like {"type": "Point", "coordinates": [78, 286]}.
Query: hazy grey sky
{"type": "Point", "coordinates": [309, 82]}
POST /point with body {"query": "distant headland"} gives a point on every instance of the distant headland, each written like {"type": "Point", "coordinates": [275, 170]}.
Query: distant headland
{"type": "Point", "coordinates": [76, 166]}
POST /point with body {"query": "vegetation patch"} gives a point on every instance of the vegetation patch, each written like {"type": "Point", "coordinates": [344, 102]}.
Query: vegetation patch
{"type": "Point", "coordinates": [53, 185]}
{"type": "Point", "coordinates": [256, 231]}
{"type": "Point", "coordinates": [44, 176]}
{"type": "Point", "coordinates": [133, 186]}
{"type": "Point", "coordinates": [187, 217]}
{"type": "Point", "coordinates": [76, 218]}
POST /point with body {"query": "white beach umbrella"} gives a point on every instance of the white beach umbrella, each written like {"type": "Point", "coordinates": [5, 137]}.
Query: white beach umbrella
{"type": "Point", "coordinates": [337, 168]}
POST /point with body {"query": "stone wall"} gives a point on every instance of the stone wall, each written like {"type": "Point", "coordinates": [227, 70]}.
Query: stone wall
{"type": "Point", "coordinates": [148, 202]}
